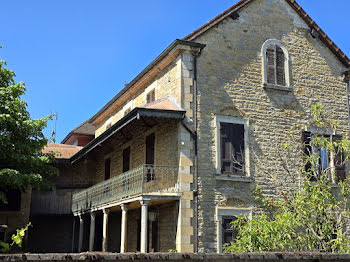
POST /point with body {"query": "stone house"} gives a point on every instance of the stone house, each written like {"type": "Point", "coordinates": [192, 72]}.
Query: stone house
{"type": "Point", "coordinates": [172, 159]}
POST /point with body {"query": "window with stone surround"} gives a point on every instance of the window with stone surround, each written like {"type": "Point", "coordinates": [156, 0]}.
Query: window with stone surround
{"type": "Point", "coordinates": [332, 163]}
{"type": "Point", "coordinates": [232, 146]}
{"type": "Point", "coordinates": [275, 66]}
{"type": "Point", "coordinates": [224, 217]}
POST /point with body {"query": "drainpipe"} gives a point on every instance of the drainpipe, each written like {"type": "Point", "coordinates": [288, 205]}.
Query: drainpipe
{"type": "Point", "coordinates": [195, 178]}
{"type": "Point", "coordinates": [347, 80]}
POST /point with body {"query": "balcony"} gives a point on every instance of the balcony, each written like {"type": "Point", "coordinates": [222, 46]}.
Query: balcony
{"type": "Point", "coordinates": [145, 179]}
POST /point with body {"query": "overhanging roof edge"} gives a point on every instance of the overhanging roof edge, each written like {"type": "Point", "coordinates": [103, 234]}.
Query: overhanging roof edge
{"type": "Point", "coordinates": [136, 113]}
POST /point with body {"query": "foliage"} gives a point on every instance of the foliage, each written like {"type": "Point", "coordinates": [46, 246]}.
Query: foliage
{"type": "Point", "coordinates": [17, 239]}
{"type": "Point", "coordinates": [22, 164]}
{"type": "Point", "coordinates": [311, 218]}
{"type": "Point", "coordinates": [172, 250]}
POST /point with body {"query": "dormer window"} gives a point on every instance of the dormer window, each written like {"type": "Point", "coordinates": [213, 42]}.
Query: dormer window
{"type": "Point", "coordinates": [151, 96]}
{"type": "Point", "coordinates": [275, 66]}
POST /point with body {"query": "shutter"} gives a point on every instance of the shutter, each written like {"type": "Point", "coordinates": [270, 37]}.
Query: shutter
{"type": "Point", "coordinates": [280, 67]}
{"type": "Point", "coordinates": [153, 95]}
{"type": "Point", "coordinates": [150, 149]}
{"type": "Point", "coordinates": [339, 161]}
{"type": "Point", "coordinates": [226, 147]}
{"type": "Point", "coordinates": [107, 168]}
{"type": "Point", "coordinates": [270, 65]}
{"type": "Point", "coordinates": [126, 159]}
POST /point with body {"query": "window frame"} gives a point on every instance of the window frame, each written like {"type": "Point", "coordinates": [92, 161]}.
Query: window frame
{"type": "Point", "coordinates": [265, 46]}
{"type": "Point", "coordinates": [228, 212]}
{"type": "Point", "coordinates": [152, 95]}
{"type": "Point", "coordinates": [232, 120]}
{"type": "Point", "coordinates": [330, 133]}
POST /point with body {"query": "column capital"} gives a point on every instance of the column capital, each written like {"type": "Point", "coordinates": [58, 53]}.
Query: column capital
{"type": "Point", "coordinates": [124, 207]}
{"type": "Point", "coordinates": [144, 202]}
{"type": "Point", "coordinates": [105, 211]}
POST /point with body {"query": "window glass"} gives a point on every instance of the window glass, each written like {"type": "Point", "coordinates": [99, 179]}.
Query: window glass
{"type": "Point", "coordinates": [228, 233]}
{"type": "Point", "coordinates": [232, 148]}
{"type": "Point", "coordinates": [324, 157]}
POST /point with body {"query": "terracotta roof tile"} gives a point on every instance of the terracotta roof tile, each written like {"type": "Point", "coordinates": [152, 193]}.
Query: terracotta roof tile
{"type": "Point", "coordinates": [65, 151]}
{"type": "Point", "coordinates": [85, 128]}
{"type": "Point", "coordinates": [167, 103]}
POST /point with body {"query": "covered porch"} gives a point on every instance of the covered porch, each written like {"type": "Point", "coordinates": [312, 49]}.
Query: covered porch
{"type": "Point", "coordinates": [141, 200]}
{"type": "Point", "coordinates": [139, 224]}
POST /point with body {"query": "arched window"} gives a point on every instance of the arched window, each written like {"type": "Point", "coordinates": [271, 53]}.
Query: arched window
{"type": "Point", "coordinates": [275, 64]}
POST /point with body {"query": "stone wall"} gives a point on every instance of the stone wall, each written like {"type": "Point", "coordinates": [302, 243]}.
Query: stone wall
{"type": "Point", "coordinates": [167, 83]}
{"type": "Point", "coordinates": [17, 219]}
{"type": "Point", "coordinates": [230, 83]}
{"type": "Point", "coordinates": [166, 141]}
{"type": "Point", "coordinates": [166, 219]}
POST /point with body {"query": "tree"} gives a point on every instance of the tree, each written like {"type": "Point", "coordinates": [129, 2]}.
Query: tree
{"type": "Point", "coordinates": [22, 164]}
{"type": "Point", "coordinates": [313, 217]}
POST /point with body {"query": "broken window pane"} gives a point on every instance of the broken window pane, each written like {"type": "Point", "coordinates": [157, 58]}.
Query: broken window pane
{"type": "Point", "coordinates": [232, 148]}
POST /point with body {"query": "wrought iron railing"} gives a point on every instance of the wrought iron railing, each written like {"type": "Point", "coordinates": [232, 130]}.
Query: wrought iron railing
{"type": "Point", "coordinates": [141, 180]}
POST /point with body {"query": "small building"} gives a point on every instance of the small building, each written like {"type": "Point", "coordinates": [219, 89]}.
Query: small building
{"type": "Point", "coordinates": [50, 211]}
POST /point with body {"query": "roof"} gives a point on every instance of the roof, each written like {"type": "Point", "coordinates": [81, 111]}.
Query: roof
{"type": "Point", "coordinates": [85, 128]}
{"type": "Point", "coordinates": [167, 103]}
{"type": "Point", "coordinates": [135, 114]}
{"type": "Point", "coordinates": [66, 151]}
{"type": "Point", "coordinates": [145, 71]}
{"type": "Point", "coordinates": [308, 20]}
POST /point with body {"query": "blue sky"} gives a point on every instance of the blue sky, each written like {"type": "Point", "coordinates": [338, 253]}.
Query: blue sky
{"type": "Point", "coordinates": [76, 55]}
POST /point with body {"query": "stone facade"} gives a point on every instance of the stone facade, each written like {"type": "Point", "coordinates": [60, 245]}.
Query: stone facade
{"type": "Point", "coordinates": [222, 78]}
{"type": "Point", "coordinates": [167, 83]}
{"type": "Point", "coordinates": [230, 84]}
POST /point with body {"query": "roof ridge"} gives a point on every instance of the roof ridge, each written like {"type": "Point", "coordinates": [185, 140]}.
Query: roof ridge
{"type": "Point", "coordinates": [300, 11]}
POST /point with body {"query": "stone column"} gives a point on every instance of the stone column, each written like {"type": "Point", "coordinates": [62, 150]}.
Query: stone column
{"type": "Point", "coordinates": [123, 231]}
{"type": "Point", "coordinates": [73, 234]}
{"type": "Point", "coordinates": [144, 220]}
{"type": "Point", "coordinates": [105, 230]}
{"type": "Point", "coordinates": [92, 231]}
{"type": "Point", "coordinates": [81, 233]}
